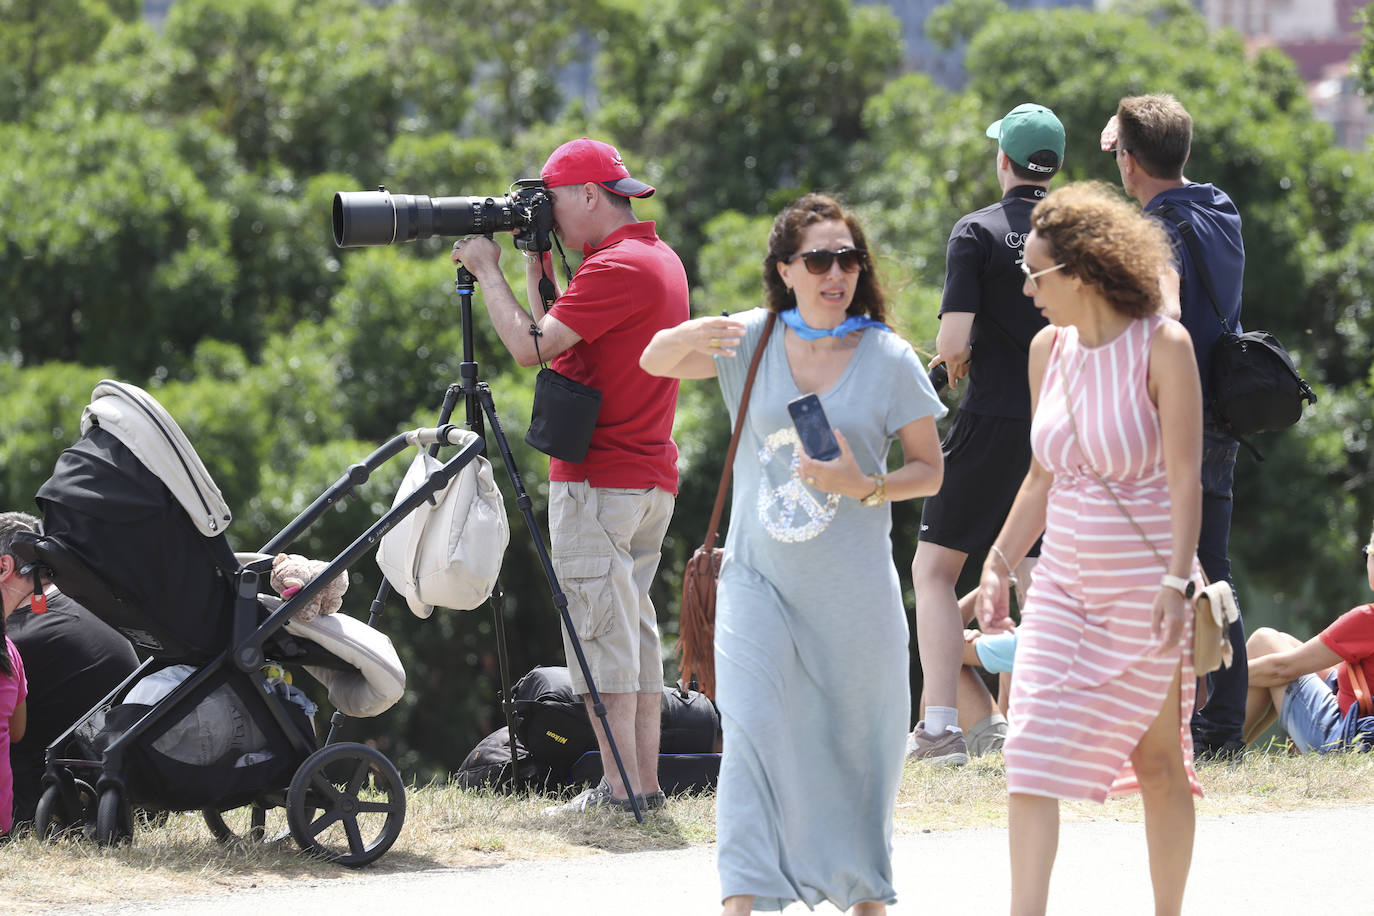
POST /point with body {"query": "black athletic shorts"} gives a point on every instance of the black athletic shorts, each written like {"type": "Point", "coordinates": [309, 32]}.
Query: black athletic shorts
{"type": "Point", "coordinates": [986, 459]}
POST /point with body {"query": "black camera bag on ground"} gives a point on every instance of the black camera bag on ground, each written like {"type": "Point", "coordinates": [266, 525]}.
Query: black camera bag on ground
{"type": "Point", "coordinates": [552, 726]}
{"type": "Point", "coordinates": [1255, 387]}
{"type": "Point", "coordinates": [488, 766]}
{"type": "Point", "coordinates": [550, 720]}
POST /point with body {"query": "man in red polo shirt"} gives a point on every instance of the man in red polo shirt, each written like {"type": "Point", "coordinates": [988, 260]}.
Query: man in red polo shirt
{"type": "Point", "coordinates": [609, 512]}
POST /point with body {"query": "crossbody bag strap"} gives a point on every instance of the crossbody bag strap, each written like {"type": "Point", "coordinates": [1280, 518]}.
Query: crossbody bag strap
{"type": "Point", "coordinates": [1073, 426]}
{"type": "Point", "coordinates": [719, 508]}
{"type": "Point", "coordinates": [1185, 229]}
{"type": "Point", "coordinates": [1361, 688]}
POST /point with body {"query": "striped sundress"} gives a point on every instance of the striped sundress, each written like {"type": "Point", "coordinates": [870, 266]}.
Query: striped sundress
{"type": "Point", "coordinates": [1085, 688]}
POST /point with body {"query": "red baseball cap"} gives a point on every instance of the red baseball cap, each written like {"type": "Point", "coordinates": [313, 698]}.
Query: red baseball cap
{"type": "Point", "coordinates": [579, 161]}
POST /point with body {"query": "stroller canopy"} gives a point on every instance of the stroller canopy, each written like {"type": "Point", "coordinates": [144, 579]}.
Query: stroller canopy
{"type": "Point", "coordinates": [135, 418]}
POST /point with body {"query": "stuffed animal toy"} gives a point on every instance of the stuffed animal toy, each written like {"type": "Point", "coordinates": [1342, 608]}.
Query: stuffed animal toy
{"type": "Point", "coordinates": [291, 572]}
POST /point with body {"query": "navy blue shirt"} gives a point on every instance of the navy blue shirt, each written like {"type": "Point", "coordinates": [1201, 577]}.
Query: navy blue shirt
{"type": "Point", "coordinates": [983, 276]}
{"type": "Point", "coordinates": [1217, 226]}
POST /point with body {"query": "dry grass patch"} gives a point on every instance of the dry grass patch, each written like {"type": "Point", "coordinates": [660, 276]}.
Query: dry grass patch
{"type": "Point", "coordinates": [447, 827]}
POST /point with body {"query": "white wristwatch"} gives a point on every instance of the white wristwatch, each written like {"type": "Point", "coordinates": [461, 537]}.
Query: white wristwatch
{"type": "Point", "coordinates": [1179, 584]}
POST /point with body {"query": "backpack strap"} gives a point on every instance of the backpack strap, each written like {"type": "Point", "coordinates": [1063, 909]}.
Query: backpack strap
{"type": "Point", "coordinates": [1185, 229]}
{"type": "Point", "coordinates": [1361, 688]}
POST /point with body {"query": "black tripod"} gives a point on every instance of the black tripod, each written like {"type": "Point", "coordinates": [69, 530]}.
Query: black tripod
{"type": "Point", "coordinates": [479, 404]}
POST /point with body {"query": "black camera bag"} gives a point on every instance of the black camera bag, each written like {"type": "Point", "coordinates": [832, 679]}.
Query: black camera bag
{"type": "Point", "coordinates": [563, 416]}
{"type": "Point", "coordinates": [550, 720]}
{"type": "Point", "coordinates": [1255, 387]}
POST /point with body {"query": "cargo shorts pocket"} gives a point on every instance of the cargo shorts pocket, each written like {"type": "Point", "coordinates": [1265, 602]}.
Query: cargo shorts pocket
{"type": "Point", "coordinates": [586, 583]}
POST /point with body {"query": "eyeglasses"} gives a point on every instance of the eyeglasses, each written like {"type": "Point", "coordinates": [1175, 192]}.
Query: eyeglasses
{"type": "Point", "coordinates": [819, 260]}
{"type": "Point", "coordinates": [1030, 277]}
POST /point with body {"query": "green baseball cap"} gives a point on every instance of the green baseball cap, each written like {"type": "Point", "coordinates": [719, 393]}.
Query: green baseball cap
{"type": "Point", "coordinates": [1026, 130]}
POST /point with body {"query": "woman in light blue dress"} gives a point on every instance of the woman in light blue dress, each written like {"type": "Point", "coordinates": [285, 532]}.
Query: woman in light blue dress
{"type": "Point", "coordinates": [811, 636]}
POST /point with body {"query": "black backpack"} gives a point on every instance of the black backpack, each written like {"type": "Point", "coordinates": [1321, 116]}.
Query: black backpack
{"type": "Point", "coordinates": [550, 720]}
{"type": "Point", "coordinates": [1255, 387]}
{"type": "Point", "coordinates": [487, 766]}
{"type": "Point", "coordinates": [553, 729]}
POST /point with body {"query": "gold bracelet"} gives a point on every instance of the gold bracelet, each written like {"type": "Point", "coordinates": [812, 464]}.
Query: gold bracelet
{"type": "Point", "coordinates": [1011, 572]}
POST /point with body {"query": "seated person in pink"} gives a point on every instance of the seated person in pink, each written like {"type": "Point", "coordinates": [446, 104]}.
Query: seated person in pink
{"type": "Point", "coordinates": [1308, 686]}
{"type": "Point", "coordinates": [13, 720]}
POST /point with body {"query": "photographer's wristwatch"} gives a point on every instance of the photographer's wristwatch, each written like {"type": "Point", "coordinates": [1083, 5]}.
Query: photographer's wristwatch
{"type": "Point", "coordinates": [879, 494]}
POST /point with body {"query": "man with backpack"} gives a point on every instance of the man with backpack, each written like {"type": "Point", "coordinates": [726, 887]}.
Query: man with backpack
{"type": "Point", "coordinates": [1150, 136]}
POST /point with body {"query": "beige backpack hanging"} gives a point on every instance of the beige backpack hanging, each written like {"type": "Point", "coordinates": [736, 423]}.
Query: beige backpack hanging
{"type": "Point", "coordinates": [447, 554]}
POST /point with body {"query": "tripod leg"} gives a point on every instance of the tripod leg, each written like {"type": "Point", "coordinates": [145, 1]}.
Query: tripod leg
{"type": "Point", "coordinates": [560, 600]}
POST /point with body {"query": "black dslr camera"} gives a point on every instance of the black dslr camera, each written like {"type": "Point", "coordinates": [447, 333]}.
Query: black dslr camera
{"type": "Point", "coordinates": [382, 218]}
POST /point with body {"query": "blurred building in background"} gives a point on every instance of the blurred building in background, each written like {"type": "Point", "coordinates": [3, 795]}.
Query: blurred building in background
{"type": "Point", "coordinates": [1322, 37]}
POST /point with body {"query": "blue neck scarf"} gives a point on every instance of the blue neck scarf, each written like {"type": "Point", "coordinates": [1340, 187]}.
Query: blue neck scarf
{"type": "Point", "coordinates": [793, 319]}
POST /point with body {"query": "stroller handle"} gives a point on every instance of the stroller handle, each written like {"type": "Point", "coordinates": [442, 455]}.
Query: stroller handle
{"type": "Point", "coordinates": [432, 435]}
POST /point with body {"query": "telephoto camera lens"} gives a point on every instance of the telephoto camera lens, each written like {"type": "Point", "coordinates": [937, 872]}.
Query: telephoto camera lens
{"type": "Point", "coordinates": [379, 217]}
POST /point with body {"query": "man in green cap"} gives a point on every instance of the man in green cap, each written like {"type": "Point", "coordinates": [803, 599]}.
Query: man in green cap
{"type": "Point", "coordinates": [986, 324]}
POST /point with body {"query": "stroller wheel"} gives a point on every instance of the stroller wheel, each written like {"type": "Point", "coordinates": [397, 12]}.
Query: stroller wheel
{"type": "Point", "coordinates": [253, 831]}
{"type": "Point", "coordinates": [346, 804]}
{"type": "Point", "coordinates": [63, 805]}
{"type": "Point", "coordinates": [114, 821]}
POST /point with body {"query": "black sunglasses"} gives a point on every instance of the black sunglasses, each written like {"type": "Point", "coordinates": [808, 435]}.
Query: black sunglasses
{"type": "Point", "coordinates": [819, 260]}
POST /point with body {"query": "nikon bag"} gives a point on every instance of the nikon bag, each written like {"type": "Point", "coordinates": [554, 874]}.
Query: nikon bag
{"type": "Point", "coordinates": [550, 720]}
{"type": "Point", "coordinates": [1255, 387]}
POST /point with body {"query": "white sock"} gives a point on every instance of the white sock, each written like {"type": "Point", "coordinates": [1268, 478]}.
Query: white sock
{"type": "Point", "coordinates": [940, 718]}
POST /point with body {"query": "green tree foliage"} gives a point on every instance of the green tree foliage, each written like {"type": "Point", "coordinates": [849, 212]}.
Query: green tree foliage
{"type": "Point", "coordinates": [39, 38]}
{"type": "Point", "coordinates": [165, 210]}
{"type": "Point", "coordinates": [742, 106]}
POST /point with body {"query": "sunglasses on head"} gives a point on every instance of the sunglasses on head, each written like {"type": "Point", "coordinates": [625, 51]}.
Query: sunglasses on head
{"type": "Point", "coordinates": [819, 260]}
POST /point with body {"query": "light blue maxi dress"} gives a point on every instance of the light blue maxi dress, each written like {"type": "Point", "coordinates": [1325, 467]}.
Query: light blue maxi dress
{"type": "Point", "coordinates": [811, 640]}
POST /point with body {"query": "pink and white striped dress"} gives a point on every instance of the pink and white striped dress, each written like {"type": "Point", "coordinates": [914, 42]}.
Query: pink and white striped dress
{"type": "Point", "coordinates": [1084, 686]}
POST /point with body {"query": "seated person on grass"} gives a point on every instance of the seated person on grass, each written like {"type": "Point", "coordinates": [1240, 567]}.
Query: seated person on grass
{"type": "Point", "coordinates": [1308, 686]}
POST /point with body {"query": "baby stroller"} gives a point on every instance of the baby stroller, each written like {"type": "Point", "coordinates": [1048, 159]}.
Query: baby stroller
{"type": "Point", "coordinates": [134, 530]}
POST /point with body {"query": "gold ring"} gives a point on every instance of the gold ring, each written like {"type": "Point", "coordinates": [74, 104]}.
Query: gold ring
{"type": "Point", "coordinates": [715, 343]}
{"type": "Point", "coordinates": [811, 481]}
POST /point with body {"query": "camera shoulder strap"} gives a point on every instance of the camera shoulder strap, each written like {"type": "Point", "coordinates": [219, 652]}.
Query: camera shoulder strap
{"type": "Point", "coordinates": [547, 295]}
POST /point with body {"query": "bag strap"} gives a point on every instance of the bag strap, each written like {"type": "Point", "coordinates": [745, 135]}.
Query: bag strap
{"type": "Point", "coordinates": [547, 297]}
{"type": "Point", "coordinates": [1073, 425]}
{"type": "Point", "coordinates": [1361, 688]}
{"type": "Point", "coordinates": [1185, 229]}
{"type": "Point", "coordinates": [719, 507]}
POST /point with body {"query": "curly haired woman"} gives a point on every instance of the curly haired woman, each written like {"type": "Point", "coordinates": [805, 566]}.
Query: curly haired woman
{"type": "Point", "coordinates": [1103, 684]}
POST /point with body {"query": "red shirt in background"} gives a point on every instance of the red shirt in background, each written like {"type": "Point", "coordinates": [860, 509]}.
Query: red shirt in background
{"type": "Point", "coordinates": [1351, 637]}
{"type": "Point", "coordinates": [626, 291]}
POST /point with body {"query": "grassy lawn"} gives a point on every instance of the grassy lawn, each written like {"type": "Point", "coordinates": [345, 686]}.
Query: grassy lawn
{"type": "Point", "coordinates": [448, 827]}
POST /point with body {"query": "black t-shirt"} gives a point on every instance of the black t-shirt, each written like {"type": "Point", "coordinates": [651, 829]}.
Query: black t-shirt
{"type": "Point", "coordinates": [72, 659]}
{"type": "Point", "coordinates": [983, 276]}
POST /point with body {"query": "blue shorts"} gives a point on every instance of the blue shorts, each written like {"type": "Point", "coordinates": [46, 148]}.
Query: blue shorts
{"type": "Point", "coordinates": [1310, 715]}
